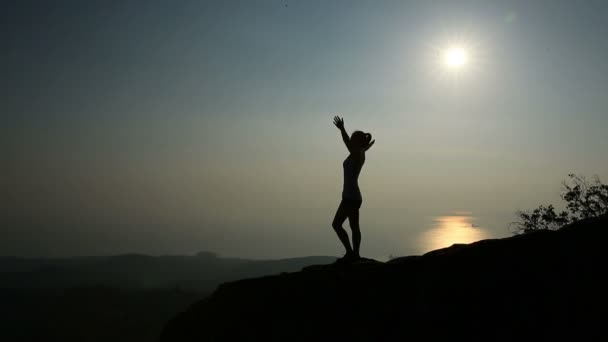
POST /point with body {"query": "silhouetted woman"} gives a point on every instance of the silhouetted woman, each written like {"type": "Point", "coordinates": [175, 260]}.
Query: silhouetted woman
{"type": "Point", "coordinates": [357, 144]}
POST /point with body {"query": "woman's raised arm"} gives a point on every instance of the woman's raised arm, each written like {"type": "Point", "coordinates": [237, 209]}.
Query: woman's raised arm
{"type": "Point", "coordinates": [339, 122]}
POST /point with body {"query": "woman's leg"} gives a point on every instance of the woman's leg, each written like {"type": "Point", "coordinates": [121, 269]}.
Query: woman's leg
{"type": "Point", "coordinates": [353, 220]}
{"type": "Point", "coordinates": [339, 218]}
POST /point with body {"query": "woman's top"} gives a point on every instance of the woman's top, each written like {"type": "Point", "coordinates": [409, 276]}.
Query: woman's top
{"type": "Point", "coordinates": [352, 167]}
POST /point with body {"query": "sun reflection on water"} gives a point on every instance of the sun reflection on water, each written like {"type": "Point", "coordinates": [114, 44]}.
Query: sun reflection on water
{"type": "Point", "coordinates": [447, 230]}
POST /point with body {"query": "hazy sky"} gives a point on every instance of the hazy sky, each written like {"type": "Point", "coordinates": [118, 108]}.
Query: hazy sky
{"type": "Point", "coordinates": [179, 126]}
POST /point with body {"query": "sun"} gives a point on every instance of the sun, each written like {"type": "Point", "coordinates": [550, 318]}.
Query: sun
{"type": "Point", "coordinates": [455, 57]}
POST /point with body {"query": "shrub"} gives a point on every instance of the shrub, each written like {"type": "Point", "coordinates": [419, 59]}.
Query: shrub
{"type": "Point", "coordinates": [583, 198]}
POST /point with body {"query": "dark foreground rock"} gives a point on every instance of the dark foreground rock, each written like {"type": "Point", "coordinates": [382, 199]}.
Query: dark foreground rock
{"type": "Point", "coordinates": [540, 286]}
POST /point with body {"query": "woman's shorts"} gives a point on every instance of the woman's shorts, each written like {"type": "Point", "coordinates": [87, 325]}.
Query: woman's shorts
{"type": "Point", "coordinates": [351, 204]}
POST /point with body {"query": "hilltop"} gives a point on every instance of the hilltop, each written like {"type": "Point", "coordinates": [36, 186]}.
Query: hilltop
{"type": "Point", "coordinates": [542, 285]}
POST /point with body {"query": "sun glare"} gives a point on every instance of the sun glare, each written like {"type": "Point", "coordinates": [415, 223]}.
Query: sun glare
{"type": "Point", "coordinates": [451, 229]}
{"type": "Point", "coordinates": [455, 57]}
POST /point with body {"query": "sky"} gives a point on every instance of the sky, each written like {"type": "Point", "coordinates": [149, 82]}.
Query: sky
{"type": "Point", "coordinates": [166, 127]}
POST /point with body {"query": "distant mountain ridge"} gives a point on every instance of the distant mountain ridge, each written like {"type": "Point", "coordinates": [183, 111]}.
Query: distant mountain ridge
{"type": "Point", "coordinates": [201, 272]}
{"type": "Point", "coordinates": [547, 285]}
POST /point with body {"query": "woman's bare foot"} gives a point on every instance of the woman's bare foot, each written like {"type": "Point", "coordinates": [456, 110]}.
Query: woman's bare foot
{"type": "Point", "coordinates": [349, 257]}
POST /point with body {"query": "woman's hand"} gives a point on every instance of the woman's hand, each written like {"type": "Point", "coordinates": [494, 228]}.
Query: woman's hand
{"type": "Point", "coordinates": [339, 122]}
